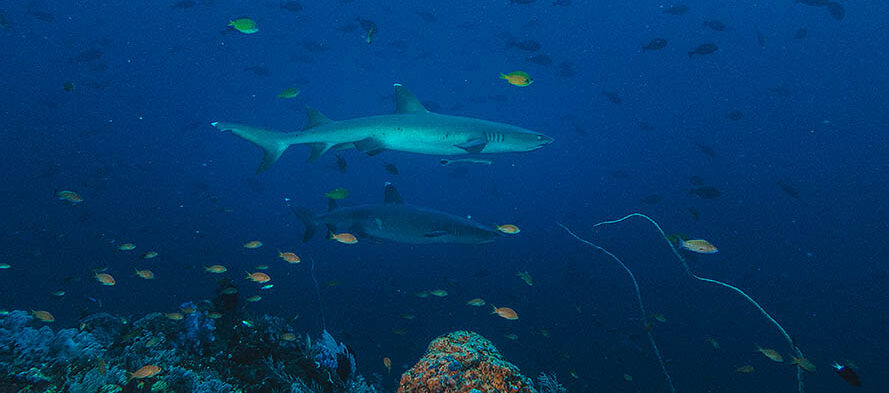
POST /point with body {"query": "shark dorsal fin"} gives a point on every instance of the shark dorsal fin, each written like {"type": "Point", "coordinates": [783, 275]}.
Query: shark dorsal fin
{"type": "Point", "coordinates": [391, 195]}
{"type": "Point", "coordinates": [407, 102]}
{"type": "Point", "coordinates": [314, 118]}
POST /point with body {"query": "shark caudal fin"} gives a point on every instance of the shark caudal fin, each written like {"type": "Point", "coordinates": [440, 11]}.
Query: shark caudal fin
{"type": "Point", "coordinates": [273, 143]}
{"type": "Point", "coordinates": [308, 219]}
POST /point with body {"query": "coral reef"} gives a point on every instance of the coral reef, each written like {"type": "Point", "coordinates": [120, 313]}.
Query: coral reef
{"type": "Point", "coordinates": [464, 362]}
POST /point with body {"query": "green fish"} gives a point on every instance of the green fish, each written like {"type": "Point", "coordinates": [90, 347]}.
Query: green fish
{"type": "Point", "coordinates": [244, 25]}
{"type": "Point", "coordinates": [337, 193]}
{"type": "Point", "coordinates": [69, 86]}
{"type": "Point", "coordinates": [289, 93]}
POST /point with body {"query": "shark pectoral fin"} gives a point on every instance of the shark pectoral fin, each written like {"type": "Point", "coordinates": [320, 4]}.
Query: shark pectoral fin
{"type": "Point", "coordinates": [318, 149]}
{"type": "Point", "coordinates": [314, 118]}
{"type": "Point", "coordinates": [438, 233]}
{"type": "Point", "coordinates": [391, 195]}
{"type": "Point", "coordinates": [407, 102]}
{"type": "Point", "coordinates": [370, 146]}
{"type": "Point", "coordinates": [308, 219]}
{"type": "Point", "coordinates": [473, 145]}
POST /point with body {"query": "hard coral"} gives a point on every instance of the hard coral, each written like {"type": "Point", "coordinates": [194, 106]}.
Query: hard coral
{"type": "Point", "coordinates": [464, 362]}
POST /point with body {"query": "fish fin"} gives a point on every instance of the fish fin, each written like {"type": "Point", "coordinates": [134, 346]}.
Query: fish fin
{"type": "Point", "coordinates": [370, 146]}
{"type": "Point", "coordinates": [331, 204]}
{"type": "Point", "coordinates": [391, 195]}
{"type": "Point", "coordinates": [318, 149]}
{"type": "Point", "coordinates": [273, 143]}
{"type": "Point", "coordinates": [473, 145]}
{"type": "Point", "coordinates": [438, 233]}
{"type": "Point", "coordinates": [407, 102]}
{"type": "Point", "coordinates": [308, 219]}
{"type": "Point", "coordinates": [315, 118]}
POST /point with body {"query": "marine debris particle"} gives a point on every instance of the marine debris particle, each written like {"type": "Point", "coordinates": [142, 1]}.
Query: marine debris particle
{"type": "Point", "coordinates": [463, 362]}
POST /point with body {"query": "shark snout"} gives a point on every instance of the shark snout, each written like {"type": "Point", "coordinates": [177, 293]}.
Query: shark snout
{"type": "Point", "coordinates": [543, 140]}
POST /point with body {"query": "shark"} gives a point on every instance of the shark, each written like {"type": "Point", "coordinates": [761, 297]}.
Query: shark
{"type": "Point", "coordinates": [395, 221]}
{"type": "Point", "coordinates": [412, 128]}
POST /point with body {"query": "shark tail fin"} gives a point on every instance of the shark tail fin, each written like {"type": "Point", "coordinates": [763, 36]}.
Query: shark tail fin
{"type": "Point", "coordinates": [273, 143]}
{"type": "Point", "coordinates": [308, 219]}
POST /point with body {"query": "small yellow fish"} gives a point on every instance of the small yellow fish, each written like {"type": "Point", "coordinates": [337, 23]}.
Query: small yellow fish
{"type": "Point", "coordinates": [511, 336]}
{"type": "Point", "coordinates": [126, 247]}
{"type": "Point", "coordinates": [713, 342]}
{"type": "Point", "coordinates": [289, 93]}
{"type": "Point", "coordinates": [149, 255]}
{"type": "Point", "coordinates": [478, 302]}
{"type": "Point", "coordinates": [244, 25]}
{"type": "Point", "coordinates": [747, 369]}
{"type": "Point", "coordinates": [505, 312]}
{"type": "Point", "coordinates": [214, 315]}
{"type": "Point", "coordinates": [289, 257]}
{"type": "Point", "coordinates": [254, 298]}
{"type": "Point", "coordinates": [699, 246]}
{"type": "Point", "coordinates": [146, 274]}
{"type": "Point", "coordinates": [422, 294]}
{"type": "Point", "coordinates": [508, 229]}
{"type": "Point", "coordinates": [438, 292]}
{"type": "Point", "coordinates": [337, 193]}
{"type": "Point", "coordinates": [229, 291]}
{"type": "Point", "coordinates": [770, 353]}
{"type": "Point", "coordinates": [658, 317]}
{"type": "Point", "coordinates": [526, 277]}
{"type": "Point", "coordinates": [388, 364]}
{"type": "Point", "coordinates": [215, 269]}
{"type": "Point", "coordinates": [518, 78]}
{"type": "Point", "coordinates": [803, 363]}
{"type": "Point", "coordinates": [345, 238]}
{"type": "Point", "coordinates": [69, 196]}
{"type": "Point", "coordinates": [290, 337]}
{"type": "Point", "coordinates": [253, 244]}
{"type": "Point", "coordinates": [174, 316]}
{"type": "Point", "coordinates": [43, 316]}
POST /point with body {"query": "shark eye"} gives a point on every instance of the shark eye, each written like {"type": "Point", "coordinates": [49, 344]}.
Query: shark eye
{"type": "Point", "coordinates": [539, 137]}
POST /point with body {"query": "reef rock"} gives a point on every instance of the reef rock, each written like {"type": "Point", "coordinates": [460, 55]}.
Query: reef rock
{"type": "Point", "coordinates": [464, 362]}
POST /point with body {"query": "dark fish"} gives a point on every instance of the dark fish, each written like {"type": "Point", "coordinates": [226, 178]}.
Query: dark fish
{"type": "Point", "coordinates": [801, 33]}
{"type": "Point", "coordinates": [694, 213]}
{"type": "Point", "coordinates": [566, 69]}
{"type": "Point", "coordinates": [781, 91]}
{"type": "Point", "coordinates": [707, 150]}
{"type": "Point", "coordinates": [655, 44]}
{"type": "Point", "coordinates": [40, 14]}
{"type": "Point", "coordinates": [696, 180]}
{"type": "Point", "coordinates": [426, 16]}
{"type": "Point", "coordinates": [291, 6]}
{"type": "Point", "coordinates": [315, 46]}
{"type": "Point", "coordinates": [341, 163]}
{"type": "Point", "coordinates": [258, 70]}
{"type": "Point", "coordinates": [540, 59]}
{"type": "Point", "coordinates": [706, 192]}
{"type": "Point", "coordinates": [646, 127]}
{"type": "Point", "coordinates": [789, 190]}
{"type": "Point", "coordinates": [69, 86]}
{"type": "Point", "coordinates": [86, 56]}
{"type": "Point", "coordinates": [612, 96]}
{"type": "Point", "coordinates": [526, 45]}
{"type": "Point", "coordinates": [677, 9]}
{"type": "Point", "coordinates": [734, 115]}
{"type": "Point", "coordinates": [760, 38]}
{"type": "Point", "coordinates": [347, 28]}
{"type": "Point", "coordinates": [619, 174]}
{"type": "Point", "coordinates": [563, 3]}
{"type": "Point", "coordinates": [715, 25]}
{"type": "Point", "coordinates": [4, 23]}
{"type": "Point", "coordinates": [703, 49]}
{"type": "Point", "coordinates": [391, 168]}
{"type": "Point", "coordinates": [181, 5]}
{"type": "Point", "coordinates": [651, 199]}
{"type": "Point", "coordinates": [836, 10]}
{"type": "Point", "coordinates": [367, 25]}
{"type": "Point", "coordinates": [849, 375]}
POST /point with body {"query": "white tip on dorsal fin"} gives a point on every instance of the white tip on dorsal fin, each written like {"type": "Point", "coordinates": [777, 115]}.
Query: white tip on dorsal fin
{"type": "Point", "coordinates": [314, 118]}
{"type": "Point", "coordinates": [407, 102]}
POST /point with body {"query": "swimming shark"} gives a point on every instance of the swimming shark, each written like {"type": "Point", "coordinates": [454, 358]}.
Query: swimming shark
{"type": "Point", "coordinates": [412, 128]}
{"type": "Point", "coordinates": [395, 221]}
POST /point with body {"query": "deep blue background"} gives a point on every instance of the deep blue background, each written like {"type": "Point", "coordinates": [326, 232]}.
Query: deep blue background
{"type": "Point", "coordinates": [134, 139]}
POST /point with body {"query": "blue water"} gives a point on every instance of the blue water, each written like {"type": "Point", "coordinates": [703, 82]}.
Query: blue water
{"type": "Point", "coordinates": [133, 138]}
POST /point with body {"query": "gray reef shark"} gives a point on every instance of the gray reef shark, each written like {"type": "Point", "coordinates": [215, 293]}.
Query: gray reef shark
{"type": "Point", "coordinates": [395, 221]}
{"type": "Point", "coordinates": [411, 128]}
